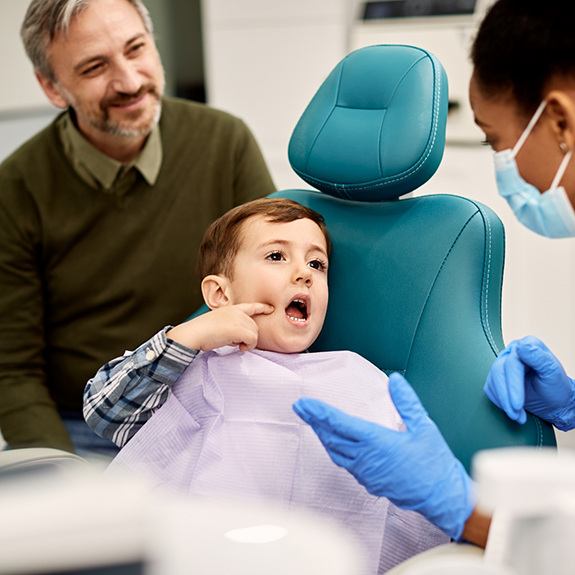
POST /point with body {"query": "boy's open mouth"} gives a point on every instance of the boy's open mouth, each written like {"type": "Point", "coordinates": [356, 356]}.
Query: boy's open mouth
{"type": "Point", "coordinates": [297, 310]}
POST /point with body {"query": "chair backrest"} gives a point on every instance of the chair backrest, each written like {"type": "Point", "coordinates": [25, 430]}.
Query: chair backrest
{"type": "Point", "coordinates": [415, 284]}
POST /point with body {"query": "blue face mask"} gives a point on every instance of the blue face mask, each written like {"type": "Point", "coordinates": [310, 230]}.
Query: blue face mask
{"type": "Point", "coordinates": [549, 214]}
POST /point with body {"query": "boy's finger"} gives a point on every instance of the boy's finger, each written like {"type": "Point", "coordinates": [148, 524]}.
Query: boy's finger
{"type": "Point", "coordinates": [256, 308]}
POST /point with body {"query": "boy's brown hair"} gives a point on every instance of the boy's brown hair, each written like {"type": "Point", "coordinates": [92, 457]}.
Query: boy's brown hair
{"type": "Point", "coordinates": [223, 238]}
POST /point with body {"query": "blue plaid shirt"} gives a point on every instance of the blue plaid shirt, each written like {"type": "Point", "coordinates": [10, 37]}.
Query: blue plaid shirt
{"type": "Point", "coordinates": [128, 390]}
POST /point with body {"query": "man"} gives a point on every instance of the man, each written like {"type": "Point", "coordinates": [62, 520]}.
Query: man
{"type": "Point", "coordinates": [102, 213]}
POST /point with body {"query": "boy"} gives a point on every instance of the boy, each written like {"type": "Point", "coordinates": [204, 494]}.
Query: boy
{"type": "Point", "coordinates": [225, 425]}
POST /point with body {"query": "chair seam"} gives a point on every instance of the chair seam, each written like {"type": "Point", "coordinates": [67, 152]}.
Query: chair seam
{"type": "Point", "coordinates": [386, 109]}
{"type": "Point", "coordinates": [487, 326]}
{"type": "Point", "coordinates": [434, 282]}
{"type": "Point", "coordinates": [540, 430]}
{"type": "Point", "coordinates": [340, 72]}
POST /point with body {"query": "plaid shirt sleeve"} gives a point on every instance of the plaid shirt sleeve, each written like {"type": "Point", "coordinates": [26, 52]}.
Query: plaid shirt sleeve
{"type": "Point", "coordinates": [128, 390]}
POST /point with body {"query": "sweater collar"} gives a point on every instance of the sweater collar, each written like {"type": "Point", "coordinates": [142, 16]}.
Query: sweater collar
{"type": "Point", "coordinates": [98, 169]}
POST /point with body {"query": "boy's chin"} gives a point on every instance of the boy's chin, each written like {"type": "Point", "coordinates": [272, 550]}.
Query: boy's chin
{"type": "Point", "coordinates": [284, 347]}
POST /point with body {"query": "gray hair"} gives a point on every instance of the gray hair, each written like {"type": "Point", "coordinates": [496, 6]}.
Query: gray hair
{"type": "Point", "coordinates": [47, 18]}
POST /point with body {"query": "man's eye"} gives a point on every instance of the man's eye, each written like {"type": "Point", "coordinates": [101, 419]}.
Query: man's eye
{"type": "Point", "coordinates": [275, 257]}
{"type": "Point", "coordinates": [92, 69]}
{"type": "Point", "coordinates": [486, 142]}
{"type": "Point", "coordinates": [317, 264]}
{"type": "Point", "coordinates": [137, 48]}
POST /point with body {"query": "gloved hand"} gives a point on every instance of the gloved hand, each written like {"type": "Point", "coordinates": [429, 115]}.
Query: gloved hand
{"type": "Point", "coordinates": [414, 469]}
{"type": "Point", "coordinates": [526, 376]}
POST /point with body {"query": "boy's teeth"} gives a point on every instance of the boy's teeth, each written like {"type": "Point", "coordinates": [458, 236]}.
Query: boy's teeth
{"type": "Point", "coordinates": [296, 318]}
{"type": "Point", "coordinates": [297, 310]}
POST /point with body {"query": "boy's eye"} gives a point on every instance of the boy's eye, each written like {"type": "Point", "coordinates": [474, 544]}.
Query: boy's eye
{"type": "Point", "coordinates": [317, 265]}
{"type": "Point", "coordinates": [275, 257]}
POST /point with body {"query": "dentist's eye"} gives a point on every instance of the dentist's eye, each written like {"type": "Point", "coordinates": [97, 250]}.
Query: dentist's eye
{"type": "Point", "coordinates": [275, 256]}
{"type": "Point", "coordinates": [317, 265]}
{"type": "Point", "coordinates": [486, 142]}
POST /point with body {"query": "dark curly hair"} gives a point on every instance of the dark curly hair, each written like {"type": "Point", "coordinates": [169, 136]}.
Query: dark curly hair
{"type": "Point", "coordinates": [521, 45]}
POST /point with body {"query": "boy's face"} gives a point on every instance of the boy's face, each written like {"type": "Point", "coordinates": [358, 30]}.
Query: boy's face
{"type": "Point", "coordinates": [284, 265]}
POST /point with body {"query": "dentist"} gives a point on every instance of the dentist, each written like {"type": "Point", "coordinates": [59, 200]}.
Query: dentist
{"type": "Point", "coordinates": [523, 96]}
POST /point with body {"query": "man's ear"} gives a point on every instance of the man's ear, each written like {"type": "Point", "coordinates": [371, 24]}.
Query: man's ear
{"type": "Point", "coordinates": [215, 290]}
{"type": "Point", "coordinates": [52, 92]}
{"type": "Point", "coordinates": [561, 112]}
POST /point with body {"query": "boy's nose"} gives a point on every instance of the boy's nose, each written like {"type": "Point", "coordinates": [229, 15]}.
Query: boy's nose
{"type": "Point", "coordinates": [303, 274]}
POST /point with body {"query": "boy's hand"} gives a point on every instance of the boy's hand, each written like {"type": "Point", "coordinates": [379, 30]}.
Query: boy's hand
{"type": "Point", "coordinates": [229, 325]}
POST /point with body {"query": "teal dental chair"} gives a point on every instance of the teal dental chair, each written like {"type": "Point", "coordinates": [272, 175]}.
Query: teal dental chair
{"type": "Point", "coordinates": [415, 284]}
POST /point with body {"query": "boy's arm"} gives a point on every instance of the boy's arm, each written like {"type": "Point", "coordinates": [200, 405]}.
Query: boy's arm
{"type": "Point", "coordinates": [128, 390]}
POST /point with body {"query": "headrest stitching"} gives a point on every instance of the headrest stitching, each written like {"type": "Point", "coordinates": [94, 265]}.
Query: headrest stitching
{"type": "Point", "coordinates": [326, 120]}
{"type": "Point", "coordinates": [386, 109]}
{"type": "Point", "coordinates": [379, 136]}
{"type": "Point", "coordinates": [405, 74]}
{"type": "Point", "coordinates": [488, 275]}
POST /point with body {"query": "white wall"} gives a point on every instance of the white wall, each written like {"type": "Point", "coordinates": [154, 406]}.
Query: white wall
{"type": "Point", "coordinates": [264, 60]}
{"type": "Point", "coordinates": [20, 91]}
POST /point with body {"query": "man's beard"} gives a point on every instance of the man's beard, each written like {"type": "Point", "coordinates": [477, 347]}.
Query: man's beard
{"type": "Point", "coordinates": [137, 128]}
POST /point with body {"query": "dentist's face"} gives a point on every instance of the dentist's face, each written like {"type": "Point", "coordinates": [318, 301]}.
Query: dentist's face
{"type": "Point", "coordinates": [108, 69]}
{"type": "Point", "coordinates": [503, 122]}
{"type": "Point", "coordinates": [284, 265]}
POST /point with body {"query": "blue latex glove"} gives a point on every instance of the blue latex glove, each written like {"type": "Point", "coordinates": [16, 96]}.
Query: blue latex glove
{"type": "Point", "coordinates": [414, 469]}
{"type": "Point", "coordinates": [526, 376]}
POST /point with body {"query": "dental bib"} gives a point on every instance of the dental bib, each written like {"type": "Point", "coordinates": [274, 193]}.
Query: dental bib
{"type": "Point", "coordinates": [228, 430]}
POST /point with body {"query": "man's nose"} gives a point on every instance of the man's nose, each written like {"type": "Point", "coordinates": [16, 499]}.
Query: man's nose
{"type": "Point", "coordinates": [126, 78]}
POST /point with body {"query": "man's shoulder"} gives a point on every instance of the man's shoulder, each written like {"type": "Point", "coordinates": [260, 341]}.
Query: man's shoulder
{"type": "Point", "coordinates": [177, 112]}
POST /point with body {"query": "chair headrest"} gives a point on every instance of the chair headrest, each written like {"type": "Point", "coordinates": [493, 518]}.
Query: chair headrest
{"type": "Point", "coordinates": [375, 129]}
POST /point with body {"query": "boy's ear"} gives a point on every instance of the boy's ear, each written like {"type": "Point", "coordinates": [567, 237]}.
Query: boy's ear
{"type": "Point", "coordinates": [215, 290]}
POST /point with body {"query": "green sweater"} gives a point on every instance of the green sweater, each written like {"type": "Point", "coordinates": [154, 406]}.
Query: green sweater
{"type": "Point", "coordinates": [85, 275]}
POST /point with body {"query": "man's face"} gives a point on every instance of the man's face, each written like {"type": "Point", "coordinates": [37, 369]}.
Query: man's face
{"type": "Point", "coordinates": [284, 265]}
{"type": "Point", "coordinates": [108, 69]}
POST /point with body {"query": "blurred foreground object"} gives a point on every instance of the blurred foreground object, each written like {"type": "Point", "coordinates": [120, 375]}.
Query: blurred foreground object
{"type": "Point", "coordinates": [82, 521]}
{"type": "Point", "coordinates": [38, 459]}
{"type": "Point", "coordinates": [532, 495]}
